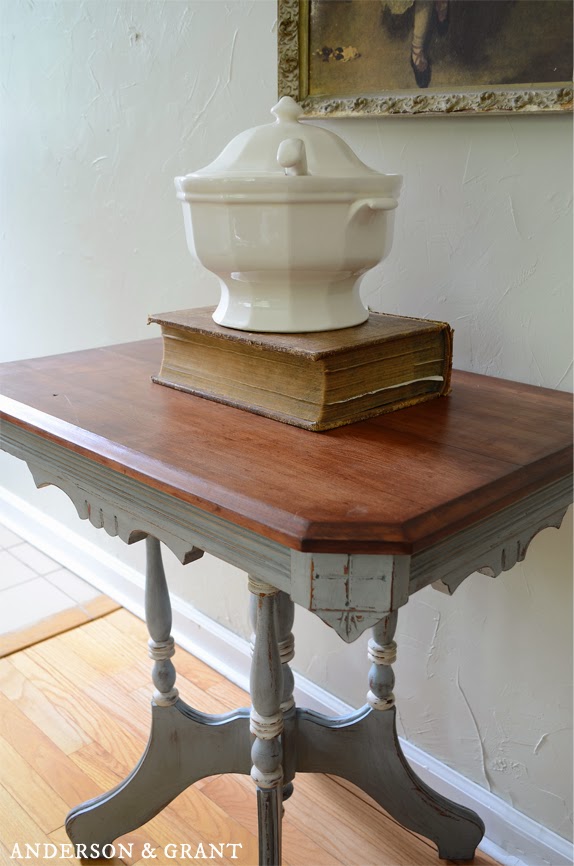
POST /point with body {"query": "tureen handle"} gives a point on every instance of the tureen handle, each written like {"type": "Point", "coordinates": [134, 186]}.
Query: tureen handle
{"type": "Point", "coordinates": [367, 206]}
{"type": "Point", "coordinates": [292, 157]}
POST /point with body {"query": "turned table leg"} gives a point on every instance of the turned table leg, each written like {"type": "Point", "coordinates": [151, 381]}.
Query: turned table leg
{"type": "Point", "coordinates": [382, 654]}
{"type": "Point", "coordinates": [285, 612]}
{"type": "Point", "coordinates": [158, 619]}
{"type": "Point", "coordinates": [266, 687]}
{"type": "Point", "coordinates": [184, 744]}
{"type": "Point", "coordinates": [364, 748]}
{"type": "Point", "coordinates": [285, 618]}
{"type": "Point", "coordinates": [455, 829]}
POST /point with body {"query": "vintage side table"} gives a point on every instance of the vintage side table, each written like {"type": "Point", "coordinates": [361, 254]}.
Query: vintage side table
{"type": "Point", "coordinates": [347, 524]}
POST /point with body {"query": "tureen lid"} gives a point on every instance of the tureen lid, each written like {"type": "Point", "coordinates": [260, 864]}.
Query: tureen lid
{"type": "Point", "coordinates": [286, 147]}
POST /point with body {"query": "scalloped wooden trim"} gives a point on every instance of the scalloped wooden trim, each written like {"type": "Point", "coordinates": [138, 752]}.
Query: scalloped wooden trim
{"type": "Point", "coordinates": [292, 81]}
{"type": "Point", "coordinates": [502, 557]}
{"type": "Point", "coordinates": [493, 544]}
{"type": "Point", "coordinates": [103, 514]}
{"type": "Point", "coordinates": [515, 551]}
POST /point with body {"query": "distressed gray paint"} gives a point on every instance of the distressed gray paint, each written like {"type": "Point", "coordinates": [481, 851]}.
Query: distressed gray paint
{"type": "Point", "coordinates": [365, 588]}
{"type": "Point", "coordinates": [266, 688]}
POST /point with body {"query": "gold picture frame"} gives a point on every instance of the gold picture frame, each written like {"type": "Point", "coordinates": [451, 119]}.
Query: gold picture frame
{"type": "Point", "coordinates": [325, 89]}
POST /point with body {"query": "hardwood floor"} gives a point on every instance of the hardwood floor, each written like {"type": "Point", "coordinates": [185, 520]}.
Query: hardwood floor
{"type": "Point", "coordinates": [56, 624]}
{"type": "Point", "coordinates": [74, 719]}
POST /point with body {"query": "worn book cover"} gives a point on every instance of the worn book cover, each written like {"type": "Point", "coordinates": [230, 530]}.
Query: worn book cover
{"type": "Point", "coordinates": [317, 380]}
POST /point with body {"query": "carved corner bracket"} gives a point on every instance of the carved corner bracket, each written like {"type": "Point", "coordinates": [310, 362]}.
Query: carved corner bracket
{"type": "Point", "coordinates": [349, 592]}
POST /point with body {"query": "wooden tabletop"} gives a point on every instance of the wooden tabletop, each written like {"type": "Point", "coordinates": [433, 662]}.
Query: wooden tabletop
{"type": "Point", "coordinates": [395, 484]}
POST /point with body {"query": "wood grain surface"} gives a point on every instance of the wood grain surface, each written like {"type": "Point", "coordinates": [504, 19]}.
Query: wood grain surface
{"type": "Point", "coordinates": [395, 484]}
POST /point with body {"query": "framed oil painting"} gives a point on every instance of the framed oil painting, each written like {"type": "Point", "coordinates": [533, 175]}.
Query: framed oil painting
{"type": "Point", "coordinates": [410, 57]}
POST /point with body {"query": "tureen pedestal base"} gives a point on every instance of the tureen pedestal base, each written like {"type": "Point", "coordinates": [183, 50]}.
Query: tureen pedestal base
{"type": "Point", "coordinates": [290, 306]}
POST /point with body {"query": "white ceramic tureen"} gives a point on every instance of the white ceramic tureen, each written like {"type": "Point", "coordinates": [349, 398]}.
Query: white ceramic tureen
{"type": "Point", "coordinates": [288, 218]}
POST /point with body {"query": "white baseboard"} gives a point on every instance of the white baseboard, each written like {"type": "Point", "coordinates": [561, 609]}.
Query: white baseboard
{"type": "Point", "coordinates": [511, 837]}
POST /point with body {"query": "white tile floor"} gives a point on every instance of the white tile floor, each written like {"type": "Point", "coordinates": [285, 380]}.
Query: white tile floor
{"type": "Point", "coordinates": [33, 586]}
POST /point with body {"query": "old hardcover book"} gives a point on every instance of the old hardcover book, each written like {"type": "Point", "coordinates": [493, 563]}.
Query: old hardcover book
{"type": "Point", "coordinates": [317, 380]}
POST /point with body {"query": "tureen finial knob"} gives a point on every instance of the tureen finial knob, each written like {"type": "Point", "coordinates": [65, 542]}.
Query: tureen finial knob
{"type": "Point", "coordinates": [287, 110]}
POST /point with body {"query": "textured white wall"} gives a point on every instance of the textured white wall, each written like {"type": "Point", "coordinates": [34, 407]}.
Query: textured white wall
{"type": "Point", "coordinates": [103, 102]}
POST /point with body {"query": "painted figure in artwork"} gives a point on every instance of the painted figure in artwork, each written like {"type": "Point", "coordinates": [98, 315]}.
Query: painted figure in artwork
{"type": "Point", "coordinates": [374, 48]}
{"type": "Point", "coordinates": [424, 11]}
